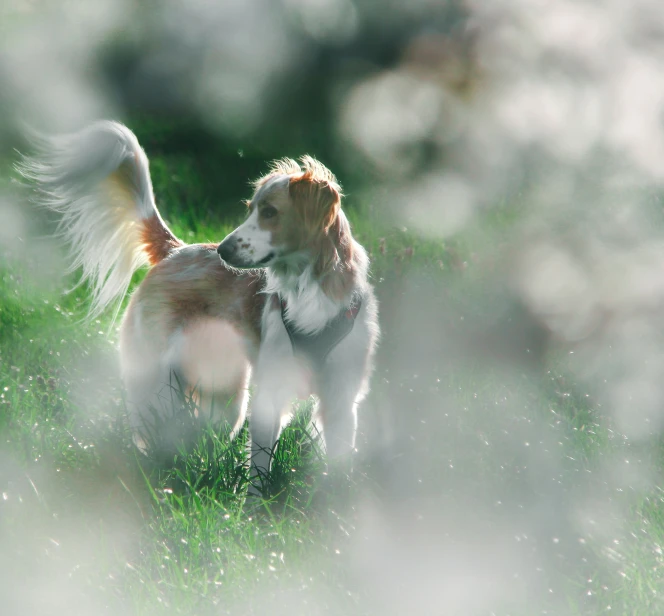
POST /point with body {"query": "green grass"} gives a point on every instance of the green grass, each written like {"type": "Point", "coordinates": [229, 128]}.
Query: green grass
{"type": "Point", "coordinates": [89, 525]}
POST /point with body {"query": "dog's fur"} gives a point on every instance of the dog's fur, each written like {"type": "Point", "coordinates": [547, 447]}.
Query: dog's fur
{"type": "Point", "coordinates": [207, 320]}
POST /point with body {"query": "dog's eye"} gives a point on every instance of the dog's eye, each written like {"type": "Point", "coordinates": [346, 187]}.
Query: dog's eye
{"type": "Point", "coordinates": [268, 212]}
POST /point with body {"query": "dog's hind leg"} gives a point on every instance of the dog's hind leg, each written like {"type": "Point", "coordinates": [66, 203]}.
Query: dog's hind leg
{"type": "Point", "coordinates": [225, 409]}
{"type": "Point", "coordinates": [212, 358]}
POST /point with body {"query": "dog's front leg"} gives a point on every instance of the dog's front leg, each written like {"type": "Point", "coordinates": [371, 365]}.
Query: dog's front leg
{"type": "Point", "coordinates": [267, 411]}
{"type": "Point", "coordinates": [276, 387]}
{"type": "Point", "coordinates": [338, 413]}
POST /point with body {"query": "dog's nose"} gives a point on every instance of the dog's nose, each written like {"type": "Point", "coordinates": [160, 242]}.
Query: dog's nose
{"type": "Point", "coordinates": [226, 250]}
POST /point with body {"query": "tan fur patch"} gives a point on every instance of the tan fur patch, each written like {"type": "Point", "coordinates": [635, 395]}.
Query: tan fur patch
{"type": "Point", "coordinates": [157, 239]}
{"type": "Point", "coordinates": [317, 197]}
{"type": "Point", "coordinates": [193, 284]}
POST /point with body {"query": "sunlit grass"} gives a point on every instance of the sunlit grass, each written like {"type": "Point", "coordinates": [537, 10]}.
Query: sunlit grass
{"type": "Point", "coordinates": [84, 510]}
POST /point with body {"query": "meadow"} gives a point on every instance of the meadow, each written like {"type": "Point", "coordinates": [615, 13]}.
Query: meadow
{"type": "Point", "coordinates": [480, 485]}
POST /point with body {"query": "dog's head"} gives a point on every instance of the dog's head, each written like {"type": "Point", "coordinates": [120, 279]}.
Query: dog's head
{"type": "Point", "coordinates": [294, 216]}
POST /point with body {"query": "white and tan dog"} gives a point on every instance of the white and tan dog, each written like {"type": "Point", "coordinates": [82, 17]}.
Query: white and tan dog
{"type": "Point", "coordinates": [306, 323]}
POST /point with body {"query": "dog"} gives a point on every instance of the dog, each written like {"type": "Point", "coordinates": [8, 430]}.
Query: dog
{"type": "Point", "coordinates": [283, 302]}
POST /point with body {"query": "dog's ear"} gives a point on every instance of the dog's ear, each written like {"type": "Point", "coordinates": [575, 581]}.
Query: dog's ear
{"type": "Point", "coordinates": [334, 266]}
{"type": "Point", "coordinates": [334, 246]}
{"type": "Point", "coordinates": [316, 196]}
{"type": "Point", "coordinates": [317, 201]}
{"type": "Point", "coordinates": [328, 237]}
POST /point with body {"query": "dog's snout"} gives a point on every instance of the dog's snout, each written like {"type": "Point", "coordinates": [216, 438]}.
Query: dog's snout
{"type": "Point", "coordinates": [226, 250]}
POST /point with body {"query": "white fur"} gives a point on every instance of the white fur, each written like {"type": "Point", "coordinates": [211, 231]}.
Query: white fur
{"type": "Point", "coordinates": [256, 240]}
{"type": "Point", "coordinates": [306, 305]}
{"type": "Point", "coordinates": [99, 218]}
{"type": "Point", "coordinates": [279, 381]}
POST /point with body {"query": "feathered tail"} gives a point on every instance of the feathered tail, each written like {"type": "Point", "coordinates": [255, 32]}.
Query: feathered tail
{"type": "Point", "coordinates": [98, 182]}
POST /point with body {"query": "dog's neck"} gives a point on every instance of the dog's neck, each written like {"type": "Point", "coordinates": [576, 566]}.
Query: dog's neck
{"type": "Point", "coordinates": [308, 306]}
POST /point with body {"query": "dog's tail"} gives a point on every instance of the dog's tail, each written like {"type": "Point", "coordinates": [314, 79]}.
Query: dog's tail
{"type": "Point", "coordinates": [98, 182]}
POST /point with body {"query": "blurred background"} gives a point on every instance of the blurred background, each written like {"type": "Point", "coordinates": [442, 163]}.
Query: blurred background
{"type": "Point", "coordinates": [502, 163]}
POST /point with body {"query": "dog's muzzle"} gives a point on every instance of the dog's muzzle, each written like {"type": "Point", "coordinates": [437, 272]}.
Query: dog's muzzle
{"type": "Point", "coordinates": [226, 250]}
{"type": "Point", "coordinates": [231, 255]}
